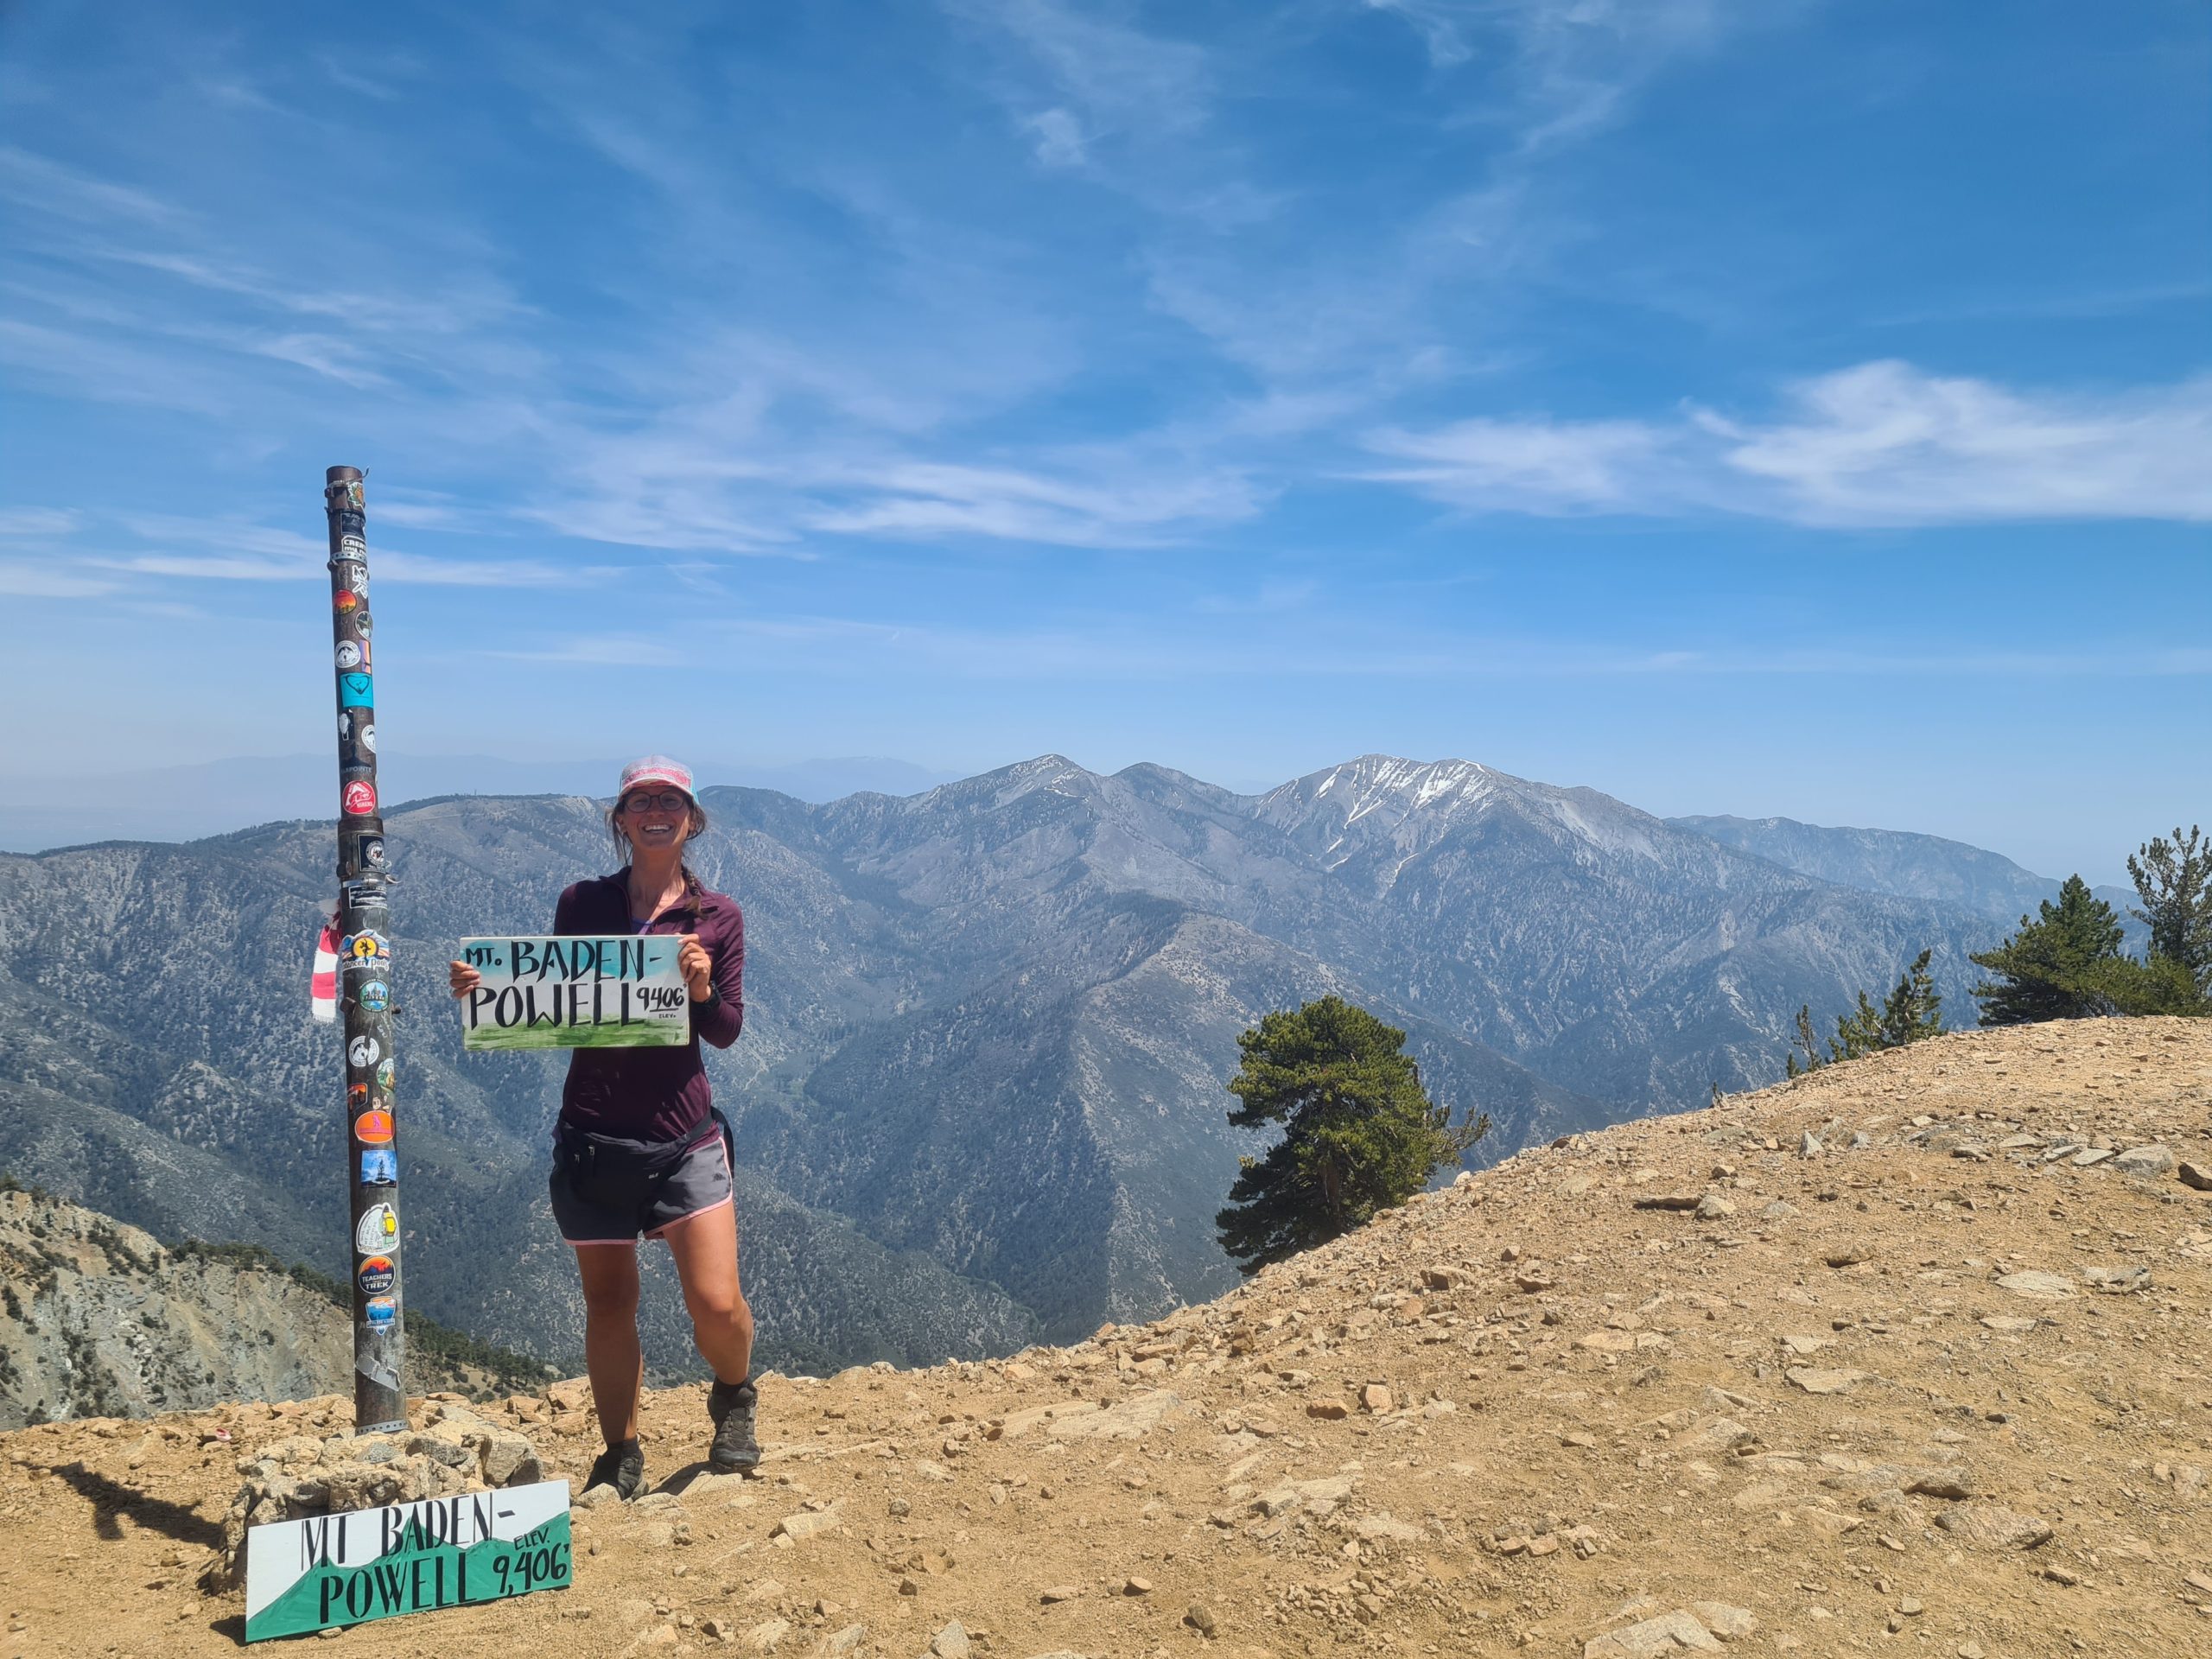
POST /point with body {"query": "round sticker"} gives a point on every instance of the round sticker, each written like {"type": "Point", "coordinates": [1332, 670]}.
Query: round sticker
{"type": "Point", "coordinates": [372, 852]}
{"type": "Point", "coordinates": [373, 1129]}
{"type": "Point", "coordinates": [349, 654]}
{"type": "Point", "coordinates": [383, 1074]}
{"type": "Point", "coordinates": [377, 1275]}
{"type": "Point", "coordinates": [361, 624]}
{"type": "Point", "coordinates": [364, 1052]}
{"type": "Point", "coordinates": [360, 798]}
{"type": "Point", "coordinates": [357, 1095]}
{"type": "Point", "coordinates": [379, 1311]}
{"type": "Point", "coordinates": [346, 602]}
{"type": "Point", "coordinates": [378, 1229]}
{"type": "Point", "coordinates": [375, 997]}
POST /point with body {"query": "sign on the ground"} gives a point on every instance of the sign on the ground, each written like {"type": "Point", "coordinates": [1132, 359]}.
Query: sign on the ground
{"type": "Point", "coordinates": [410, 1558]}
{"type": "Point", "coordinates": [622, 991]}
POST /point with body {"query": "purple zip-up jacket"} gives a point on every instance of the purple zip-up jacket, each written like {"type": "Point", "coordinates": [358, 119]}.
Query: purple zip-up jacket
{"type": "Point", "coordinates": [654, 1094]}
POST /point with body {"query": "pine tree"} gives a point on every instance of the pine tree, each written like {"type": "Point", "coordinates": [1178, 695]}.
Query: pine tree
{"type": "Point", "coordinates": [1915, 1010]}
{"type": "Point", "coordinates": [2047, 970]}
{"type": "Point", "coordinates": [1813, 1061]}
{"type": "Point", "coordinates": [2174, 879]}
{"type": "Point", "coordinates": [1912, 1011]}
{"type": "Point", "coordinates": [1359, 1132]}
{"type": "Point", "coordinates": [2159, 985]}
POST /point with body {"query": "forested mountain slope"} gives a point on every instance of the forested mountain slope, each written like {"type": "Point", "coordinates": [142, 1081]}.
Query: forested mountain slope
{"type": "Point", "coordinates": [979, 1094]}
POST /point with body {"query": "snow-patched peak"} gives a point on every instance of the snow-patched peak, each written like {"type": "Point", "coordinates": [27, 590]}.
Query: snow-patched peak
{"type": "Point", "coordinates": [1383, 807]}
{"type": "Point", "coordinates": [1384, 783]}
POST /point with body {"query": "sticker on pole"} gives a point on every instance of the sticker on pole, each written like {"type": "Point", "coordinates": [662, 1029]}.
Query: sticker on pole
{"type": "Point", "coordinates": [378, 1229]}
{"type": "Point", "coordinates": [329, 1570]}
{"type": "Point", "coordinates": [620, 991]}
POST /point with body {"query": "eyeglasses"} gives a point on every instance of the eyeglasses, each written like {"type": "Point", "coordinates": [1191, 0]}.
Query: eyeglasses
{"type": "Point", "coordinates": [668, 801]}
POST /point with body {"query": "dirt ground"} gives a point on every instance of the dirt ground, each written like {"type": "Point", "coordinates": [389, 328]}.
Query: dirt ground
{"type": "Point", "coordinates": [1910, 1355]}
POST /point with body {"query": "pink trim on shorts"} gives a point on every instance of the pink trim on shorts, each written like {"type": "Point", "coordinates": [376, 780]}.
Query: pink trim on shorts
{"type": "Point", "coordinates": [589, 1243]}
{"type": "Point", "coordinates": [705, 1209]}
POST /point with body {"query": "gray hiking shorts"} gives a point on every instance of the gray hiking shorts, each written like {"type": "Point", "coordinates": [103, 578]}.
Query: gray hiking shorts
{"type": "Point", "coordinates": [609, 1190]}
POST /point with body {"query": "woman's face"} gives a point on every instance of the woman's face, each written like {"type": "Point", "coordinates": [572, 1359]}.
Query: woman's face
{"type": "Point", "coordinates": [657, 817]}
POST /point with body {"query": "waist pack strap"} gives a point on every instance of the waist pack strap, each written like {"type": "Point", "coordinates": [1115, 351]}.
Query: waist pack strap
{"type": "Point", "coordinates": [619, 1174]}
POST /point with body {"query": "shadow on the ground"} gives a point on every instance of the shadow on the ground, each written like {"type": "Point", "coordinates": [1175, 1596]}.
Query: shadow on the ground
{"type": "Point", "coordinates": [111, 1498]}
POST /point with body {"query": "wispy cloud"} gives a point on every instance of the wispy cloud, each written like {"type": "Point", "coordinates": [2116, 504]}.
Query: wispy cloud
{"type": "Point", "coordinates": [49, 186]}
{"type": "Point", "coordinates": [1883, 443]}
{"type": "Point", "coordinates": [1059, 137]}
{"type": "Point", "coordinates": [2061, 305]}
{"type": "Point", "coordinates": [1252, 641]}
{"type": "Point", "coordinates": [45, 581]}
{"type": "Point", "coordinates": [1121, 106]}
{"type": "Point", "coordinates": [1568, 67]}
{"type": "Point", "coordinates": [38, 521]}
{"type": "Point", "coordinates": [1445, 28]}
{"type": "Point", "coordinates": [598, 651]}
{"type": "Point", "coordinates": [456, 308]}
{"type": "Point", "coordinates": [251, 552]}
{"type": "Point", "coordinates": [1127, 82]}
{"type": "Point", "coordinates": [930, 501]}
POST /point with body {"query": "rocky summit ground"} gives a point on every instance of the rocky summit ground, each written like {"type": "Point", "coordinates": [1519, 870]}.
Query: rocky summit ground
{"type": "Point", "coordinates": [1912, 1355]}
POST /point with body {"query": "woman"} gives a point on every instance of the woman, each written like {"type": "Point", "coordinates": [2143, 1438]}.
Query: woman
{"type": "Point", "coordinates": [639, 1150]}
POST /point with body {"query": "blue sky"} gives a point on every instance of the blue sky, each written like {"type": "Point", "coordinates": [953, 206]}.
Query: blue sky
{"type": "Point", "coordinates": [1774, 407]}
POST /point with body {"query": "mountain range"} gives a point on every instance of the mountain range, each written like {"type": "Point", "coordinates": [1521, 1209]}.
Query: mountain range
{"type": "Point", "coordinates": [1895, 861]}
{"type": "Point", "coordinates": [979, 1099]}
{"type": "Point", "coordinates": [49, 808]}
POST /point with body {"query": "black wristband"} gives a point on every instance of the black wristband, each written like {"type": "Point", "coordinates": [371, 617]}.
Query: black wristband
{"type": "Point", "coordinates": [708, 1001]}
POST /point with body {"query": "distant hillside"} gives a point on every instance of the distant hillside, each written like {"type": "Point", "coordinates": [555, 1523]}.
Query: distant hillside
{"type": "Point", "coordinates": [979, 1097]}
{"type": "Point", "coordinates": [98, 1319]}
{"type": "Point", "coordinates": [1896, 862]}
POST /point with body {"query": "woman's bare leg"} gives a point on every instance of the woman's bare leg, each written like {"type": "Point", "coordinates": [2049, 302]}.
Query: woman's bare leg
{"type": "Point", "coordinates": [612, 1354]}
{"type": "Point", "coordinates": [705, 1250]}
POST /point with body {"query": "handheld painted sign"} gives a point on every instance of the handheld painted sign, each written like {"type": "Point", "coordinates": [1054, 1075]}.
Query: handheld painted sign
{"type": "Point", "coordinates": [621, 991]}
{"type": "Point", "coordinates": [443, 1552]}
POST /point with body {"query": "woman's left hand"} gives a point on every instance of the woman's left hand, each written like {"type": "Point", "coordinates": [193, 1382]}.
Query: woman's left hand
{"type": "Point", "coordinates": [696, 967]}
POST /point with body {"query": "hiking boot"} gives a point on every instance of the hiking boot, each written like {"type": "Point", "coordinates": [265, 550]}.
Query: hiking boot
{"type": "Point", "coordinates": [731, 1405]}
{"type": "Point", "coordinates": [622, 1467]}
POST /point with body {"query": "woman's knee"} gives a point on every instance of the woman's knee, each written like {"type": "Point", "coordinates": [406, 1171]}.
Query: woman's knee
{"type": "Point", "coordinates": [715, 1304]}
{"type": "Point", "coordinates": [611, 1301]}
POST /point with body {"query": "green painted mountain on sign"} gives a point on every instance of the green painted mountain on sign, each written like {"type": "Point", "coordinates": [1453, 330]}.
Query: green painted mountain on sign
{"type": "Point", "coordinates": [632, 1036]}
{"type": "Point", "coordinates": [418, 1578]}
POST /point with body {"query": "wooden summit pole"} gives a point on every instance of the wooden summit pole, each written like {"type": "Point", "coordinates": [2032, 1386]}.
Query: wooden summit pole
{"type": "Point", "coordinates": [364, 976]}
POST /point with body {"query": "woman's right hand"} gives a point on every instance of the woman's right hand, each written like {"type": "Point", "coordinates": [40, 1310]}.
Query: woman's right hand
{"type": "Point", "coordinates": [462, 977]}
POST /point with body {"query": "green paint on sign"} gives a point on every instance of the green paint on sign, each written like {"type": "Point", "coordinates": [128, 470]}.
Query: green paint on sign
{"type": "Point", "coordinates": [309, 1575]}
